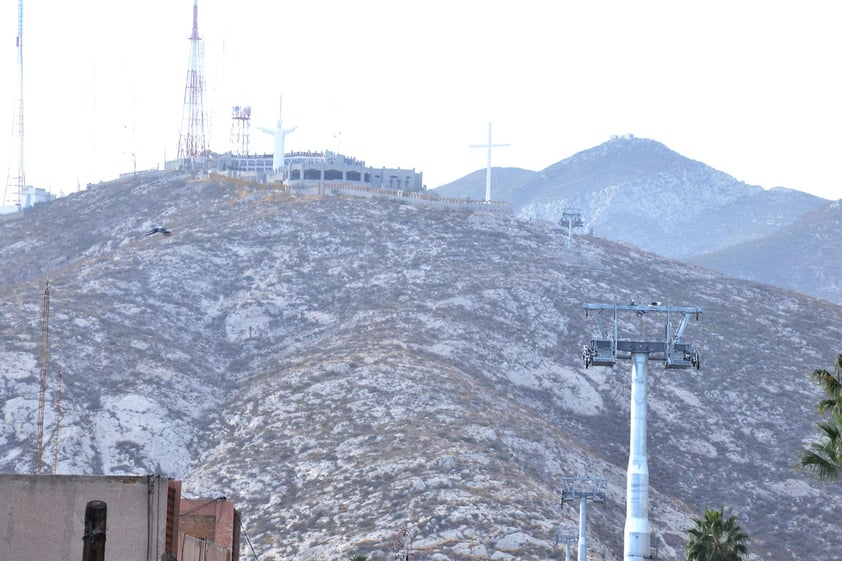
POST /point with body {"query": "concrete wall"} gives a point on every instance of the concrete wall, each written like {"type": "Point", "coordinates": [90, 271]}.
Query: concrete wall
{"type": "Point", "coordinates": [42, 517]}
{"type": "Point", "coordinates": [425, 198]}
{"type": "Point", "coordinates": [197, 549]}
{"type": "Point", "coordinates": [211, 522]}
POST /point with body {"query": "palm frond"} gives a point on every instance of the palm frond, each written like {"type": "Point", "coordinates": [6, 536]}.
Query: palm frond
{"type": "Point", "coordinates": [818, 464]}
{"type": "Point", "coordinates": [831, 385]}
{"type": "Point", "coordinates": [716, 538]}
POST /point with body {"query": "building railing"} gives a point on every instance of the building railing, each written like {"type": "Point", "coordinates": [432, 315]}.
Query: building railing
{"type": "Point", "coordinates": [321, 188]}
{"type": "Point", "coordinates": [317, 187]}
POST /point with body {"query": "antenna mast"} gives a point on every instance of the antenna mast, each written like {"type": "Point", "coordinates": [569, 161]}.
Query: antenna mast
{"type": "Point", "coordinates": [191, 142]}
{"type": "Point", "coordinates": [58, 421]}
{"type": "Point", "coordinates": [240, 126]}
{"type": "Point", "coordinates": [45, 320]}
{"type": "Point", "coordinates": [16, 178]}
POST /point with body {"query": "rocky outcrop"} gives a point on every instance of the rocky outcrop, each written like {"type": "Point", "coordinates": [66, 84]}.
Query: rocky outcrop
{"type": "Point", "coordinates": [346, 368]}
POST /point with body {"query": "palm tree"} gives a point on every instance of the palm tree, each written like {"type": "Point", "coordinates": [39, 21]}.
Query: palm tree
{"type": "Point", "coordinates": [831, 384]}
{"type": "Point", "coordinates": [716, 538]}
{"type": "Point", "coordinates": [824, 459]}
{"type": "Point", "coordinates": [358, 557]}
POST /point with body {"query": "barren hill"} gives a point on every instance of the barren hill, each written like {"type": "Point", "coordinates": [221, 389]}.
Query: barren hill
{"type": "Point", "coordinates": [805, 256]}
{"type": "Point", "coordinates": [344, 368]}
{"type": "Point", "coordinates": [638, 191]}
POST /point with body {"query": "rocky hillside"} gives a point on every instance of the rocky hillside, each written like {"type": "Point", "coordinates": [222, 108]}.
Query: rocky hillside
{"type": "Point", "coordinates": [638, 191]}
{"type": "Point", "coordinates": [506, 184]}
{"type": "Point", "coordinates": [805, 256]}
{"type": "Point", "coordinates": [346, 368]}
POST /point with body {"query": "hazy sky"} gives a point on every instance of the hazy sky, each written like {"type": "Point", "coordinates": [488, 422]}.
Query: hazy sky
{"type": "Point", "coordinates": [751, 88]}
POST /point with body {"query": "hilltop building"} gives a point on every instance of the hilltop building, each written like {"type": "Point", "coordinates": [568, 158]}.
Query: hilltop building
{"type": "Point", "coordinates": [302, 169]}
{"type": "Point", "coordinates": [29, 197]}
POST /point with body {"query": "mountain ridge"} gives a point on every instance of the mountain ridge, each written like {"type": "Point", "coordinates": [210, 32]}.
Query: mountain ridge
{"type": "Point", "coordinates": [344, 368]}
{"type": "Point", "coordinates": [800, 256]}
{"type": "Point", "coordinates": [638, 191]}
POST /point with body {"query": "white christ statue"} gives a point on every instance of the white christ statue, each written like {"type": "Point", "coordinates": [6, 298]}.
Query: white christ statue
{"type": "Point", "coordinates": [279, 133]}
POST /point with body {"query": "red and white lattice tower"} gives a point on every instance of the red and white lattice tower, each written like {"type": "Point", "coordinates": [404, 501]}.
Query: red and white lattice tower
{"type": "Point", "coordinates": [240, 126]}
{"type": "Point", "coordinates": [16, 178]}
{"type": "Point", "coordinates": [192, 145]}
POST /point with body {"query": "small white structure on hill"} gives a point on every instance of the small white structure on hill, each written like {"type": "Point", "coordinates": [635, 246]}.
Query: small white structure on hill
{"type": "Point", "coordinates": [29, 197]}
{"type": "Point", "coordinates": [279, 133]}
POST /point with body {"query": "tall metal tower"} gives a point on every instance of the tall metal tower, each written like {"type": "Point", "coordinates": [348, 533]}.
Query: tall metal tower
{"type": "Point", "coordinates": [605, 351]}
{"type": "Point", "coordinates": [240, 127]}
{"type": "Point", "coordinates": [583, 489]}
{"type": "Point", "coordinates": [16, 178]}
{"type": "Point", "coordinates": [191, 141]}
{"type": "Point", "coordinates": [45, 322]}
{"type": "Point", "coordinates": [57, 409]}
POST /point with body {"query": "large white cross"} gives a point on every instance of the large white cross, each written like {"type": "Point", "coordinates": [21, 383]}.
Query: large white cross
{"type": "Point", "coordinates": [489, 146]}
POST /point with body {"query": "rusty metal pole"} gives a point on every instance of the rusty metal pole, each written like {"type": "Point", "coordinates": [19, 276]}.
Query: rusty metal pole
{"type": "Point", "coordinates": [45, 321]}
{"type": "Point", "coordinates": [95, 527]}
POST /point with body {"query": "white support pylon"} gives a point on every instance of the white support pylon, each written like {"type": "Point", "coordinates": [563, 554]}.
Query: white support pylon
{"type": "Point", "coordinates": [636, 542]}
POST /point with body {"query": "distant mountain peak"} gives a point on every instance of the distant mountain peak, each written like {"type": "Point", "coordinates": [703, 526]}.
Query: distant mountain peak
{"type": "Point", "coordinates": [643, 154]}
{"type": "Point", "coordinates": [630, 139]}
{"type": "Point", "coordinates": [638, 191]}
